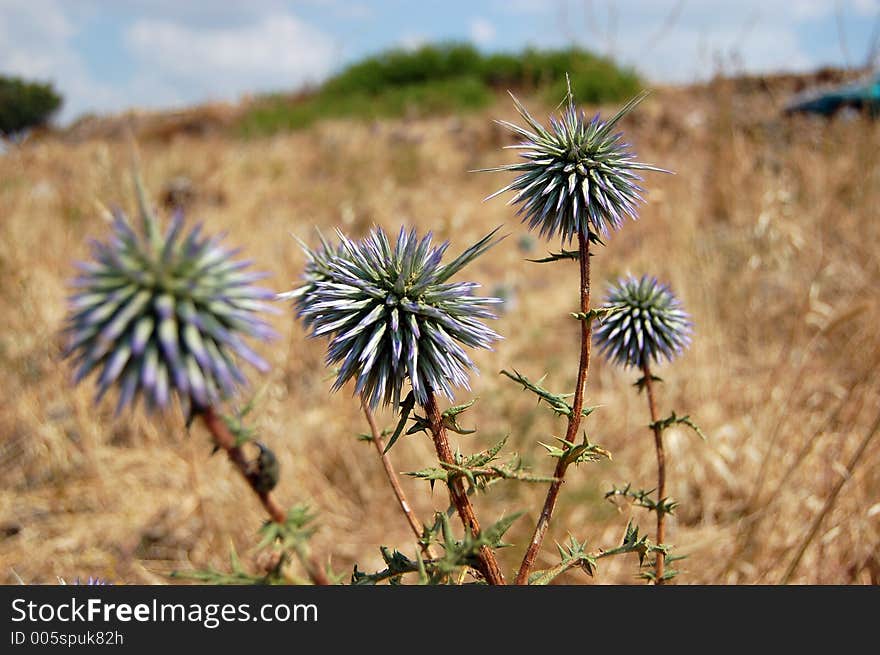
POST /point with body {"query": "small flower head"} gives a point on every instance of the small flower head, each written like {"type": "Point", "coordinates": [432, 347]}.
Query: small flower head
{"type": "Point", "coordinates": [577, 177]}
{"type": "Point", "coordinates": [317, 269]}
{"type": "Point", "coordinates": [92, 581]}
{"type": "Point", "coordinates": [392, 315]}
{"type": "Point", "coordinates": [648, 323]}
{"type": "Point", "coordinates": [159, 314]}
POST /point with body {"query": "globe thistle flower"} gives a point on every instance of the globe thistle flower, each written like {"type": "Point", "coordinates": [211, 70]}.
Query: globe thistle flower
{"type": "Point", "coordinates": [578, 177]}
{"type": "Point", "coordinates": [649, 323]}
{"type": "Point", "coordinates": [393, 316]}
{"type": "Point", "coordinates": [159, 314]}
{"type": "Point", "coordinates": [92, 581]}
{"type": "Point", "coordinates": [317, 269]}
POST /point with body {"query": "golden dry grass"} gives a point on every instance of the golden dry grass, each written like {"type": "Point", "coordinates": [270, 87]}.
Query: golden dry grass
{"type": "Point", "coordinates": [769, 232]}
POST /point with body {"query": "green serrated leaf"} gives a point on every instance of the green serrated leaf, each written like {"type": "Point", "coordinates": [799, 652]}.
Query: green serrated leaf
{"type": "Point", "coordinates": [479, 471]}
{"type": "Point", "coordinates": [557, 256]}
{"type": "Point", "coordinates": [674, 419]}
{"type": "Point", "coordinates": [642, 498]}
{"type": "Point", "coordinates": [405, 408]}
{"type": "Point", "coordinates": [598, 313]}
{"type": "Point", "coordinates": [430, 473]}
{"type": "Point", "coordinates": [458, 409]}
{"type": "Point", "coordinates": [494, 533]}
{"type": "Point", "coordinates": [642, 382]}
{"type": "Point", "coordinates": [577, 453]}
{"type": "Point", "coordinates": [483, 458]}
{"type": "Point", "coordinates": [556, 401]}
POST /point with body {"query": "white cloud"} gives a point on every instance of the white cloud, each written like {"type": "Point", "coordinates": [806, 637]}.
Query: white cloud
{"type": "Point", "coordinates": [278, 51]}
{"type": "Point", "coordinates": [697, 54]}
{"type": "Point", "coordinates": [174, 62]}
{"type": "Point", "coordinates": [345, 9]}
{"type": "Point", "coordinates": [671, 40]}
{"type": "Point", "coordinates": [36, 43]}
{"type": "Point", "coordinates": [521, 6]}
{"type": "Point", "coordinates": [412, 41]}
{"type": "Point", "coordinates": [482, 32]}
{"type": "Point", "coordinates": [866, 7]}
{"type": "Point", "coordinates": [26, 23]}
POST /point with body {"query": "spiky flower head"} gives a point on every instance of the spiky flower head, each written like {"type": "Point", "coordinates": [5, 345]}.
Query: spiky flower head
{"type": "Point", "coordinates": [159, 314]}
{"type": "Point", "coordinates": [92, 581]}
{"type": "Point", "coordinates": [317, 269]}
{"type": "Point", "coordinates": [649, 323]}
{"type": "Point", "coordinates": [577, 176]}
{"type": "Point", "coordinates": [392, 315]}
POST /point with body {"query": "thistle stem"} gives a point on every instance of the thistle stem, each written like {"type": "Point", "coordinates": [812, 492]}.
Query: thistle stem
{"type": "Point", "coordinates": [417, 527]}
{"type": "Point", "coordinates": [574, 419]}
{"type": "Point", "coordinates": [661, 473]}
{"type": "Point", "coordinates": [225, 440]}
{"type": "Point", "coordinates": [488, 564]}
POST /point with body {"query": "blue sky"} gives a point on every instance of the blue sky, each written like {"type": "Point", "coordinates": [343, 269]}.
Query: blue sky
{"type": "Point", "coordinates": [108, 55]}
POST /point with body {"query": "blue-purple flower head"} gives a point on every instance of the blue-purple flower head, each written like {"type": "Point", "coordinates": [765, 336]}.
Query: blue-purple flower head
{"type": "Point", "coordinates": [648, 324]}
{"type": "Point", "coordinates": [577, 176]}
{"type": "Point", "coordinates": [158, 314]}
{"type": "Point", "coordinates": [393, 316]}
{"type": "Point", "coordinates": [92, 581]}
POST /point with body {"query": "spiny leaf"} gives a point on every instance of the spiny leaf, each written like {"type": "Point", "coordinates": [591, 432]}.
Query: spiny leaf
{"type": "Point", "coordinates": [458, 409]}
{"type": "Point", "coordinates": [572, 555]}
{"type": "Point", "coordinates": [405, 408]}
{"type": "Point", "coordinates": [557, 256]}
{"type": "Point", "coordinates": [642, 498]}
{"type": "Point", "coordinates": [673, 419]}
{"type": "Point", "coordinates": [449, 419]}
{"type": "Point", "coordinates": [577, 453]}
{"type": "Point", "coordinates": [478, 470]}
{"type": "Point", "coordinates": [632, 543]}
{"type": "Point", "coordinates": [575, 554]}
{"type": "Point", "coordinates": [293, 533]}
{"type": "Point", "coordinates": [556, 401]}
{"type": "Point", "coordinates": [486, 456]}
{"type": "Point", "coordinates": [668, 574]}
{"type": "Point", "coordinates": [494, 533]}
{"type": "Point", "coordinates": [599, 313]}
{"type": "Point", "coordinates": [431, 474]}
{"type": "Point", "coordinates": [238, 574]}
{"type": "Point", "coordinates": [642, 382]}
{"type": "Point", "coordinates": [397, 564]}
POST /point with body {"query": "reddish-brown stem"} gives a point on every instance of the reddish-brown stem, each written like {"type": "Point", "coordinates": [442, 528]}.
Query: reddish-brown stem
{"type": "Point", "coordinates": [224, 439]}
{"type": "Point", "coordinates": [417, 527]}
{"type": "Point", "coordinates": [488, 564]}
{"type": "Point", "coordinates": [574, 419]}
{"type": "Point", "coordinates": [661, 472]}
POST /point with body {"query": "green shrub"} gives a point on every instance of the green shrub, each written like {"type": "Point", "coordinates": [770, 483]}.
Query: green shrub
{"type": "Point", "coordinates": [596, 82]}
{"type": "Point", "coordinates": [25, 104]}
{"type": "Point", "coordinates": [396, 68]}
{"type": "Point", "coordinates": [277, 113]}
{"type": "Point", "coordinates": [444, 78]}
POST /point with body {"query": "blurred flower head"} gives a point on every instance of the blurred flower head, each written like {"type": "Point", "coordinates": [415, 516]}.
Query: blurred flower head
{"type": "Point", "coordinates": [92, 581]}
{"type": "Point", "coordinates": [649, 323]}
{"type": "Point", "coordinates": [392, 315]}
{"type": "Point", "coordinates": [577, 176]}
{"type": "Point", "coordinates": [158, 314]}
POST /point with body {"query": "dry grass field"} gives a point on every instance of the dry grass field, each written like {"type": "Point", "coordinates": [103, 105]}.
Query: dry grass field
{"type": "Point", "coordinates": [769, 232]}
